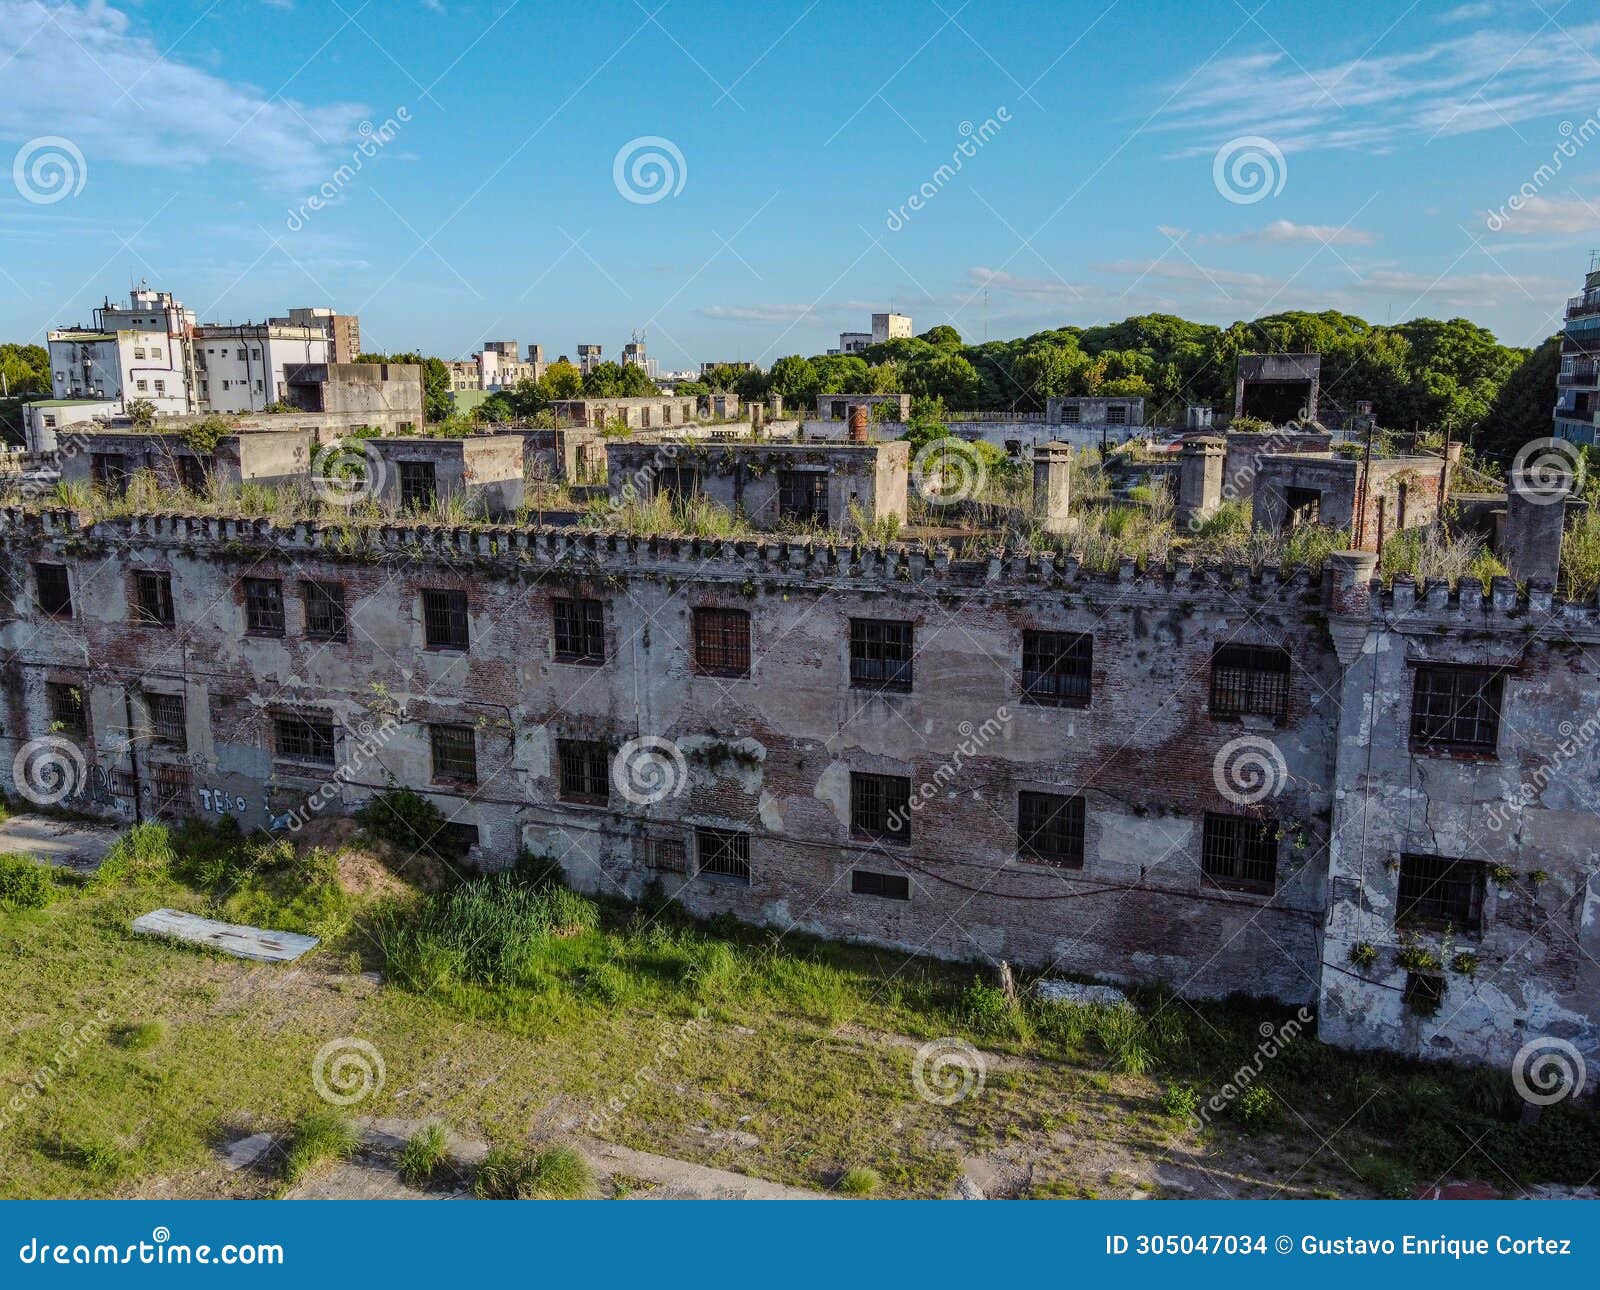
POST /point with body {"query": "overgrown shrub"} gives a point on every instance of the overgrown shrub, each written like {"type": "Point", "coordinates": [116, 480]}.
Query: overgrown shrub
{"type": "Point", "coordinates": [24, 883]}
{"type": "Point", "coordinates": [860, 1181]}
{"type": "Point", "coordinates": [425, 1156]}
{"type": "Point", "coordinates": [1180, 1101]}
{"type": "Point", "coordinates": [404, 818]}
{"type": "Point", "coordinates": [1256, 1107]}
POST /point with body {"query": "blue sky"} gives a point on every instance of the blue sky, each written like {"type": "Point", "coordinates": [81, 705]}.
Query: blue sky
{"type": "Point", "coordinates": [796, 135]}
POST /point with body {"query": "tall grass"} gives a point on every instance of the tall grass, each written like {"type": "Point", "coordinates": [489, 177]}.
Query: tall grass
{"type": "Point", "coordinates": [1435, 553]}
{"type": "Point", "coordinates": [490, 930]}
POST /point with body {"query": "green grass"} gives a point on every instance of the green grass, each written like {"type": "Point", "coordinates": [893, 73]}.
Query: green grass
{"type": "Point", "coordinates": [25, 883]}
{"type": "Point", "coordinates": [860, 1181]}
{"type": "Point", "coordinates": [557, 1173]}
{"type": "Point", "coordinates": [318, 1138]}
{"type": "Point", "coordinates": [655, 1028]}
{"type": "Point", "coordinates": [425, 1156]}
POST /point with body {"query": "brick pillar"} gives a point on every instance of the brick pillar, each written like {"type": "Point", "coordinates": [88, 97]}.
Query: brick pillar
{"type": "Point", "coordinates": [1052, 485]}
{"type": "Point", "coordinates": [1348, 579]}
{"type": "Point", "coordinates": [1199, 480]}
{"type": "Point", "coordinates": [858, 423]}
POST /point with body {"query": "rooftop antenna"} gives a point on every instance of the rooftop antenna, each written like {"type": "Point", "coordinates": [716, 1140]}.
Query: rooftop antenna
{"type": "Point", "coordinates": [1594, 261]}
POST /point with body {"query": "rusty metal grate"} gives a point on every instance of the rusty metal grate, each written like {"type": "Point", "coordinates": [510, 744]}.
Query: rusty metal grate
{"type": "Point", "coordinates": [1240, 852]}
{"type": "Point", "coordinates": [263, 606]}
{"type": "Point", "coordinates": [455, 753]}
{"type": "Point", "coordinates": [1050, 829]}
{"type": "Point", "coordinates": [880, 653]}
{"type": "Point", "coordinates": [585, 771]}
{"type": "Point", "coordinates": [1456, 708]}
{"type": "Point", "coordinates": [444, 619]}
{"type": "Point", "coordinates": [1057, 668]}
{"type": "Point", "coordinates": [722, 642]}
{"type": "Point", "coordinates": [723, 853]}
{"type": "Point", "coordinates": [579, 630]}
{"type": "Point", "coordinates": [880, 807]}
{"type": "Point", "coordinates": [1250, 680]}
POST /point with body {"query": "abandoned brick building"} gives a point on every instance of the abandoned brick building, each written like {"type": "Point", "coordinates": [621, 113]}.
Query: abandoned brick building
{"type": "Point", "coordinates": [1298, 785]}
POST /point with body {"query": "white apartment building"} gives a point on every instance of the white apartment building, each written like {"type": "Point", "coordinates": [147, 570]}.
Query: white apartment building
{"type": "Point", "coordinates": [240, 366]}
{"type": "Point", "coordinates": [885, 327]}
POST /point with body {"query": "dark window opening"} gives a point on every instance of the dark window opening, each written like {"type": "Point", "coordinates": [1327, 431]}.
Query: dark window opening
{"type": "Point", "coordinates": [455, 754]}
{"type": "Point", "coordinates": [1423, 993]}
{"type": "Point", "coordinates": [1057, 668]}
{"type": "Point", "coordinates": [263, 606]}
{"type": "Point", "coordinates": [444, 619]}
{"type": "Point", "coordinates": [1250, 680]}
{"type": "Point", "coordinates": [584, 767]}
{"type": "Point", "coordinates": [1456, 708]}
{"type": "Point", "coordinates": [153, 598]}
{"type": "Point", "coordinates": [678, 483]}
{"type": "Point", "coordinates": [418, 485]}
{"type": "Point", "coordinates": [580, 631]}
{"type": "Point", "coordinates": [1116, 414]}
{"type": "Point", "coordinates": [54, 590]}
{"type": "Point", "coordinates": [168, 725]}
{"type": "Point", "coordinates": [1440, 893]}
{"type": "Point", "coordinates": [803, 496]}
{"type": "Point", "coordinates": [1050, 829]}
{"type": "Point", "coordinates": [1240, 852]}
{"type": "Point", "coordinates": [890, 886]}
{"type": "Point", "coordinates": [880, 807]}
{"type": "Point", "coordinates": [669, 855]}
{"type": "Point", "coordinates": [307, 739]}
{"type": "Point", "coordinates": [880, 653]}
{"type": "Point", "coordinates": [66, 708]}
{"type": "Point", "coordinates": [325, 615]}
{"type": "Point", "coordinates": [722, 642]}
{"type": "Point", "coordinates": [1302, 507]}
{"type": "Point", "coordinates": [722, 853]}
{"type": "Point", "coordinates": [456, 838]}
{"type": "Point", "coordinates": [1071, 414]}
{"type": "Point", "coordinates": [192, 474]}
{"type": "Point", "coordinates": [110, 471]}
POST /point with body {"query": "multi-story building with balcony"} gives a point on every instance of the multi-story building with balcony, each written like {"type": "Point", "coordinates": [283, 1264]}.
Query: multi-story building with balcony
{"type": "Point", "coordinates": [1578, 382]}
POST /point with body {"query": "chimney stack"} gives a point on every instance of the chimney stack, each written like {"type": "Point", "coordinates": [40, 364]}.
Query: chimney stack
{"type": "Point", "coordinates": [1536, 504]}
{"type": "Point", "coordinates": [1199, 480]}
{"type": "Point", "coordinates": [1052, 485]}
{"type": "Point", "coordinates": [858, 423]}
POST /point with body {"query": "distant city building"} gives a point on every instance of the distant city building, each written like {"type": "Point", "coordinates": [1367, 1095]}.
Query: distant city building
{"type": "Point", "coordinates": [588, 358]}
{"type": "Point", "coordinates": [885, 327]}
{"type": "Point", "coordinates": [633, 355]}
{"type": "Point", "coordinates": [342, 330]}
{"type": "Point", "coordinates": [1578, 382]}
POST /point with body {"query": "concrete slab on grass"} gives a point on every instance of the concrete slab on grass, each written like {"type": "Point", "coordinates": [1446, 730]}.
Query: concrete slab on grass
{"type": "Point", "coordinates": [231, 938]}
{"type": "Point", "coordinates": [70, 844]}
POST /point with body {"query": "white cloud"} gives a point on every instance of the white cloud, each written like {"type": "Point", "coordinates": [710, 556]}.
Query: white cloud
{"type": "Point", "coordinates": [1286, 231]}
{"type": "Point", "coordinates": [1461, 290]}
{"type": "Point", "coordinates": [757, 313]}
{"type": "Point", "coordinates": [1179, 270]}
{"type": "Point", "coordinates": [88, 77]}
{"type": "Point", "coordinates": [1550, 215]}
{"type": "Point", "coordinates": [1478, 80]}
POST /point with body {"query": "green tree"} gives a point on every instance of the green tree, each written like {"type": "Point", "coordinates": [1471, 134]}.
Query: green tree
{"type": "Point", "coordinates": [1522, 407]}
{"type": "Point", "coordinates": [437, 399]}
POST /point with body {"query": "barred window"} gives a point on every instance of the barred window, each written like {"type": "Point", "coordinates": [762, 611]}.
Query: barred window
{"type": "Point", "coordinates": [455, 753]}
{"type": "Point", "coordinates": [444, 619]}
{"type": "Point", "coordinates": [890, 886]}
{"type": "Point", "coordinates": [722, 642]}
{"type": "Point", "coordinates": [304, 738]}
{"type": "Point", "coordinates": [153, 598]}
{"type": "Point", "coordinates": [584, 767]}
{"type": "Point", "coordinates": [263, 606]}
{"type": "Point", "coordinates": [325, 615]}
{"type": "Point", "coordinates": [1071, 414]}
{"type": "Point", "coordinates": [1117, 414]}
{"type": "Point", "coordinates": [723, 853]}
{"type": "Point", "coordinates": [880, 653]}
{"type": "Point", "coordinates": [580, 630]}
{"type": "Point", "coordinates": [65, 702]}
{"type": "Point", "coordinates": [1456, 709]}
{"type": "Point", "coordinates": [167, 720]}
{"type": "Point", "coordinates": [1050, 829]}
{"type": "Point", "coordinates": [1250, 680]}
{"type": "Point", "coordinates": [669, 855]}
{"type": "Point", "coordinates": [418, 485]}
{"type": "Point", "coordinates": [172, 794]}
{"type": "Point", "coordinates": [1057, 668]}
{"type": "Point", "coordinates": [880, 807]}
{"type": "Point", "coordinates": [1240, 852]}
{"type": "Point", "coordinates": [54, 590]}
{"type": "Point", "coordinates": [1440, 893]}
{"type": "Point", "coordinates": [803, 496]}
